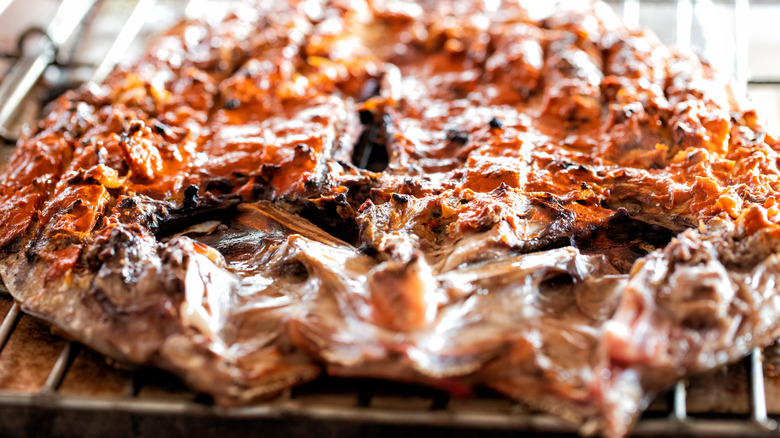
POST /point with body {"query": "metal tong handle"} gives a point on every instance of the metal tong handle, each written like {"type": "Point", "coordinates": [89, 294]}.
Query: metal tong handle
{"type": "Point", "coordinates": [126, 35]}
{"type": "Point", "coordinates": [30, 66]}
{"type": "Point", "coordinates": [4, 5]}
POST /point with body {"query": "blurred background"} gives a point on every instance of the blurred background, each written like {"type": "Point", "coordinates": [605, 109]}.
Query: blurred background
{"type": "Point", "coordinates": [739, 37]}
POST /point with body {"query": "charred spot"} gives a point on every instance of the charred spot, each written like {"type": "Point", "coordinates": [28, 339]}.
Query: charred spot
{"type": "Point", "coordinates": [679, 135]}
{"type": "Point", "coordinates": [239, 178]}
{"type": "Point", "coordinates": [92, 180]}
{"type": "Point", "coordinates": [222, 185]}
{"type": "Point", "coordinates": [107, 247]}
{"type": "Point", "coordinates": [161, 128]}
{"type": "Point", "coordinates": [258, 192]}
{"type": "Point", "coordinates": [457, 137]}
{"type": "Point", "coordinates": [310, 185]}
{"type": "Point", "coordinates": [357, 194]}
{"type": "Point", "coordinates": [15, 245]}
{"type": "Point", "coordinates": [168, 221]}
{"type": "Point", "coordinates": [553, 243]}
{"type": "Point", "coordinates": [582, 202]}
{"type": "Point", "coordinates": [190, 196]}
{"type": "Point", "coordinates": [366, 117]}
{"type": "Point", "coordinates": [302, 148]}
{"type": "Point", "coordinates": [503, 189]}
{"type": "Point", "coordinates": [333, 217]}
{"type": "Point", "coordinates": [135, 127]}
{"type": "Point", "coordinates": [341, 198]}
{"type": "Point", "coordinates": [267, 173]}
{"type": "Point", "coordinates": [564, 164]}
{"type": "Point", "coordinates": [401, 199]}
{"type": "Point", "coordinates": [623, 240]}
{"type": "Point", "coordinates": [370, 152]}
{"type": "Point", "coordinates": [76, 204]}
{"type": "Point", "coordinates": [620, 213]}
{"type": "Point", "coordinates": [128, 202]}
{"type": "Point", "coordinates": [496, 123]}
{"type": "Point", "coordinates": [232, 104]}
{"type": "Point", "coordinates": [169, 133]}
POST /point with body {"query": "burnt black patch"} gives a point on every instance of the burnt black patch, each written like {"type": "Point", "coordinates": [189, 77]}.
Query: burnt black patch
{"type": "Point", "coordinates": [222, 185]}
{"type": "Point", "coordinates": [401, 199]}
{"type": "Point", "coordinates": [370, 152]}
{"type": "Point", "coordinates": [457, 136]}
{"type": "Point", "coordinates": [232, 104]}
{"type": "Point", "coordinates": [128, 202]}
{"type": "Point", "coordinates": [366, 117]}
{"type": "Point", "coordinates": [624, 239]}
{"type": "Point", "coordinates": [190, 196]}
{"type": "Point", "coordinates": [334, 215]}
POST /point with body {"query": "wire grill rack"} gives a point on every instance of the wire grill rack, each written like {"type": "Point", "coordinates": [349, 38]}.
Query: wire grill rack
{"type": "Point", "coordinates": [151, 403]}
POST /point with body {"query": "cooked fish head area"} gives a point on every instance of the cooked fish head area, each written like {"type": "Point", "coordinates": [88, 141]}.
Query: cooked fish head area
{"type": "Point", "coordinates": [460, 194]}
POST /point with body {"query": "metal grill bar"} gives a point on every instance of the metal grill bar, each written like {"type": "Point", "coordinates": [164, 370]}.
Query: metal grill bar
{"type": "Point", "coordinates": [758, 411]}
{"type": "Point", "coordinates": [679, 403]}
{"type": "Point", "coordinates": [30, 67]}
{"type": "Point", "coordinates": [741, 45]}
{"type": "Point", "coordinates": [684, 22]}
{"type": "Point", "coordinates": [764, 80]}
{"type": "Point", "coordinates": [123, 40]}
{"type": "Point", "coordinates": [60, 368]}
{"type": "Point", "coordinates": [631, 13]}
{"type": "Point", "coordinates": [684, 29]}
{"type": "Point", "coordinates": [8, 325]}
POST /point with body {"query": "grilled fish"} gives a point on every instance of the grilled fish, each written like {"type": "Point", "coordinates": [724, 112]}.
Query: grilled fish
{"type": "Point", "coordinates": [459, 194]}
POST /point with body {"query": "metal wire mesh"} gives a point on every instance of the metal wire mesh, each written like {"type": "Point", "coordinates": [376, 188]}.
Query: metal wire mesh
{"type": "Point", "coordinates": [357, 401]}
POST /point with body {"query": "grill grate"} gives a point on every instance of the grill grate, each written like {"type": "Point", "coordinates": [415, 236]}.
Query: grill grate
{"type": "Point", "coordinates": [327, 402]}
